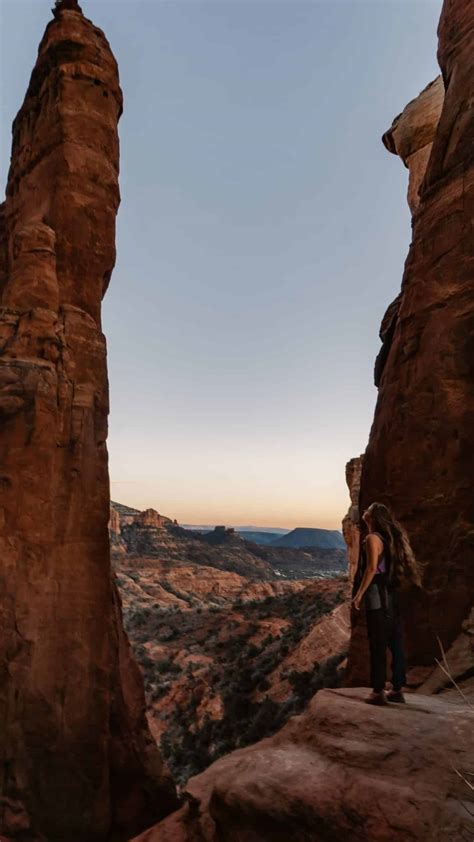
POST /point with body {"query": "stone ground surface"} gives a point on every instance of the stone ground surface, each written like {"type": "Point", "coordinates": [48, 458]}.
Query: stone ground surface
{"type": "Point", "coordinates": [420, 458]}
{"type": "Point", "coordinates": [342, 770]}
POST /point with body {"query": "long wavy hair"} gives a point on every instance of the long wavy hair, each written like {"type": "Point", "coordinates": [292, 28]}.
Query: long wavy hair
{"type": "Point", "coordinates": [404, 569]}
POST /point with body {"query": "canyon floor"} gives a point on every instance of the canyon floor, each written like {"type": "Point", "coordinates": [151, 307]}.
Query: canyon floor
{"type": "Point", "coordinates": [229, 647]}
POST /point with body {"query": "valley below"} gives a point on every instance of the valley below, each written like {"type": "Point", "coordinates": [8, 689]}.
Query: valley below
{"type": "Point", "coordinates": [203, 684]}
{"type": "Point", "coordinates": [232, 638]}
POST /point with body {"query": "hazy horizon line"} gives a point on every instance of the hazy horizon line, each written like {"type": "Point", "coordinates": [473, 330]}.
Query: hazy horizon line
{"type": "Point", "coordinates": [242, 524]}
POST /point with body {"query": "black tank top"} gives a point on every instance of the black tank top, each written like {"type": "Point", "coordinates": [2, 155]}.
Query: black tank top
{"type": "Point", "coordinates": [377, 595]}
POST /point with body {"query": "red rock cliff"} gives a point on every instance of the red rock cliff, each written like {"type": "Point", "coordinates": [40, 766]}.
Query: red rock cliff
{"type": "Point", "coordinates": [77, 761]}
{"type": "Point", "coordinates": [340, 771]}
{"type": "Point", "coordinates": [350, 523]}
{"type": "Point", "coordinates": [412, 133]}
{"type": "Point", "coordinates": [420, 458]}
{"type": "Point", "coordinates": [151, 518]}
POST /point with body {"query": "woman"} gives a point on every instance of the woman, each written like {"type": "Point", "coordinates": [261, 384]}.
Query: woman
{"type": "Point", "coordinates": [388, 564]}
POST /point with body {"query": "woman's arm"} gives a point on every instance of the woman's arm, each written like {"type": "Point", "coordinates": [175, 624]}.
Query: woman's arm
{"type": "Point", "coordinates": [373, 547]}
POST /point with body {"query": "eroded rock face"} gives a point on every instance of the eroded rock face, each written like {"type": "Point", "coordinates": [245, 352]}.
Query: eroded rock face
{"type": "Point", "coordinates": [77, 761]}
{"type": "Point", "coordinates": [147, 535]}
{"type": "Point", "coordinates": [420, 457]}
{"type": "Point", "coordinates": [411, 137]}
{"type": "Point", "coordinates": [151, 518]}
{"type": "Point", "coordinates": [350, 524]}
{"type": "Point", "coordinates": [342, 770]}
{"type": "Point", "coordinates": [412, 134]}
{"type": "Point", "coordinates": [114, 522]}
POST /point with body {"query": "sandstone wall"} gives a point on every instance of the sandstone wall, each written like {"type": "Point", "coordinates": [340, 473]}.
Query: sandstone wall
{"type": "Point", "coordinates": [152, 519]}
{"type": "Point", "coordinates": [412, 133]}
{"type": "Point", "coordinates": [420, 457]}
{"type": "Point", "coordinates": [410, 136]}
{"type": "Point", "coordinates": [350, 523]}
{"type": "Point", "coordinates": [77, 761]}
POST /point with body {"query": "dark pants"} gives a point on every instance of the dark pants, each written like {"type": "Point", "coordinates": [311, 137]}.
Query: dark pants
{"type": "Point", "coordinates": [385, 632]}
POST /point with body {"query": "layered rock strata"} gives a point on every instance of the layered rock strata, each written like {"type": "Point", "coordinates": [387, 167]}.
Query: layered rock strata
{"type": "Point", "coordinates": [77, 761]}
{"type": "Point", "coordinates": [420, 458]}
{"type": "Point", "coordinates": [410, 136]}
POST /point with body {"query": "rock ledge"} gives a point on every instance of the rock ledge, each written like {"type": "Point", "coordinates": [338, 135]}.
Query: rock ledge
{"type": "Point", "coordinates": [342, 770]}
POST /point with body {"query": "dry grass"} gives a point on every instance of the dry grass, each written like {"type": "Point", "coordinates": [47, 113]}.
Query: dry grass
{"type": "Point", "coordinates": [444, 666]}
{"type": "Point", "coordinates": [466, 777]}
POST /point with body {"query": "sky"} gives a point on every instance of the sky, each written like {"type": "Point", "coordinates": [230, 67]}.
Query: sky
{"type": "Point", "coordinates": [262, 234]}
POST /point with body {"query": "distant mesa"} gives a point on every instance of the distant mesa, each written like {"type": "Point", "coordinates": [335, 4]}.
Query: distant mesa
{"type": "Point", "coordinates": [299, 538]}
{"type": "Point", "coordinates": [222, 535]}
{"type": "Point", "coordinates": [262, 538]}
{"type": "Point", "coordinates": [308, 553]}
{"type": "Point", "coordinates": [241, 529]}
{"type": "Point", "coordinates": [324, 539]}
{"type": "Point", "coordinates": [150, 517]}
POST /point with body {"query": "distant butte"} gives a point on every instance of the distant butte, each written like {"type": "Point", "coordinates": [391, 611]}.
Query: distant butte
{"type": "Point", "coordinates": [420, 456]}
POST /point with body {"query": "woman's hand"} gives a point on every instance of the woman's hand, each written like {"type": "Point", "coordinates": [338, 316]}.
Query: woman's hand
{"type": "Point", "coordinates": [356, 602]}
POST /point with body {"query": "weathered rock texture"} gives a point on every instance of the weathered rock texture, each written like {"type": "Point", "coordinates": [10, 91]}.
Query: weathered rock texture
{"type": "Point", "coordinates": [342, 770]}
{"type": "Point", "coordinates": [151, 518]}
{"type": "Point", "coordinates": [77, 761]}
{"type": "Point", "coordinates": [411, 137]}
{"type": "Point", "coordinates": [420, 457]}
{"type": "Point", "coordinates": [412, 134]}
{"type": "Point", "coordinates": [350, 524]}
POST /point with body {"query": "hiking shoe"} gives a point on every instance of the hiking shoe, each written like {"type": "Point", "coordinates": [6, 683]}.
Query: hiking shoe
{"type": "Point", "coordinates": [396, 696]}
{"type": "Point", "coordinates": [379, 699]}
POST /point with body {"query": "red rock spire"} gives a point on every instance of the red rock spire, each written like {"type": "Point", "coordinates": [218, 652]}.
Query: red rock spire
{"type": "Point", "coordinates": [62, 5]}
{"type": "Point", "coordinates": [420, 459]}
{"type": "Point", "coordinates": [67, 676]}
